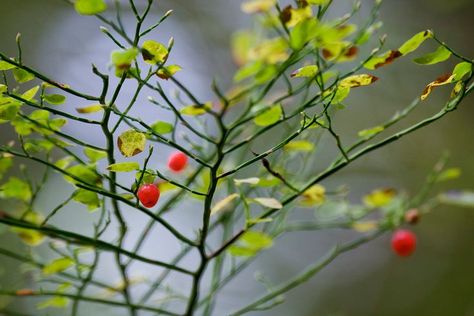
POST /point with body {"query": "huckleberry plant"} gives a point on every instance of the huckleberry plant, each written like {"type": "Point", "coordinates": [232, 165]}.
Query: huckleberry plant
{"type": "Point", "coordinates": [297, 69]}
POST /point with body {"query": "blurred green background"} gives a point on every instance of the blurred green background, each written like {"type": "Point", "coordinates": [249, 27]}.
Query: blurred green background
{"type": "Point", "coordinates": [437, 280]}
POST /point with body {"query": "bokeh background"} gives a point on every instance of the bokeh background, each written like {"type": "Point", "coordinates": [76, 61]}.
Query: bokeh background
{"type": "Point", "coordinates": [437, 280]}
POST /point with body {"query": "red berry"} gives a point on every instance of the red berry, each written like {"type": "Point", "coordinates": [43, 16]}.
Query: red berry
{"type": "Point", "coordinates": [403, 242]}
{"type": "Point", "coordinates": [177, 161]}
{"type": "Point", "coordinates": [148, 194]}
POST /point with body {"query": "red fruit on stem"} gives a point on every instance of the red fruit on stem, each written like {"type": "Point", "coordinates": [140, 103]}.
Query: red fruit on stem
{"type": "Point", "coordinates": [403, 242]}
{"type": "Point", "coordinates": [148, 194]}
{"type": "Point", "coordinates": [177, 161]}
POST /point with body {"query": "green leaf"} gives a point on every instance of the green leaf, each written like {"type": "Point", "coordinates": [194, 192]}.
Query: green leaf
{"type": "Point", "coordinates": [299, 145]}
{"type": "Point", "coordinates": [88, 198]}
{"type": "Point", "coordinates": [222, 204]}
{"type": "Point", "coordinates": [270, 116]}
{"type": "Point", "coordinates": [3, 89]}
{"type": "Point", "coordinates": [30, 94]}
{"type": "Point", "coordinates": [57, 265]}
{"type": "Point", "coordinates": [16, 188]}
{"type": "Point", "coordinates": [161, 127]}
{"type": "Point", "coordinates": [154, 52]}
{"type": "Point", "coordinates": [131, 143]}
{"type": "Point", "coordinates": [242, 43]}
{"type": "Point", "coordinates": [90, 7]}
{"type": "Point", "coordinates": [55, 301]}
{"type": "Point", "coordinates": [250, 243]}
{"type": "Point", "coordinates": [122, 59]}
{"type": "Point", "coordinates": [449, 174]}
{"type": "Point", "coordinates": [148, 177]}
{"type": "Point", "coordinates": [84, 173]}
{"type": "Point", "coordinates": [249, 70]}
{"type": "Point", "coordinates": [22, 76]}
{"type": "Point", "coordinates": [94, 155]}
{"type": "Point", "coordinates": [196, 109]}
{"type": "Point", "coordinates": [268, 202]}
{"type": "Point", "coordinates": [29, 236]}
{"type": "Point", "coordinates": [90, 109]}
{"type": "Point", "coordinates": [458, 198]}
{"type": "Point", "coordinates": [168, 71]}
{"type": "Point", "coordinates": [439, 55]}
{"type": "Point", "coordinates": [124, 166]}
{"type": "Point", "coordinates": [6, 65]}
{"type": "Point", "coordinates": [302, 33]}
{"type": "Point", "coordinates": [55, 99]}
{"type": "Point", "coordinates": [413, 43]}
{"type": "Point", "coordinates": [461, 70]}
{"type": "Point", "coordinates": [63, 163]}
{"type": "Point", "coordinates": [5, 164]}
{"type": "Point", "coordinates": [306, 71]}
{"type": "Point", "coordinates": [371, 131]}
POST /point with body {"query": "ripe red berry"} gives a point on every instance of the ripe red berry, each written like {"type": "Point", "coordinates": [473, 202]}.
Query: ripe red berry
{"type": "Point", "coordinates": [177, 161]}
{"type": "Point", "coordinates": [403, 242]}
{"type": "Point", "coordinates": [148, 194]}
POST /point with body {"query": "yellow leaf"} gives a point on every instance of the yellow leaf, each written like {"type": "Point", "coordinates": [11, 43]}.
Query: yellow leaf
{"type": "Point", "coordinates": [298, 15]}
{"type": "Point", "coordinates": [440, 81]}
{"type": "Point", "coordinates": [269, 202]}
{"type": "Point", "coordinates": [364, 226]}
{"type": "Point", "coordinates": [90, 109]}
{"type": "Point", "coordinates": [131, 143]}
{"type": "Point", "coordinates": [196, 109]}
{"type": "Point", "coordinates": [358, 81]}
{"type": "Point", "coordinates": [299, 145]}
{"type": "Point", "coordinates": [256, 6]}
{"type": "Point", "coordinates": [315, 195]}
{"type": "Point", "coordinates": [379, 197]}
{"type": "Point", "coordinates": [219, 206]}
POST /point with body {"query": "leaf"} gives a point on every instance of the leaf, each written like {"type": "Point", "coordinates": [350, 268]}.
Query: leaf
{"type": "Point", "coordinates": [414, 42]}
{"type": "Point", "coordinates": [250, 243]}
{"type": "Point", "coordinates": [30, 94]}
{"type": "Point", "coordinates": [16, 188]}
{"type": "Point", "coordinates": [94, 155]}
{"type": "Point", "coordinates": [268, 202]}
{"type": "Point", "coordinates": [166, 186]}
{"type": "Point", "coordinates": [161, 127]}
{"type": "Point", "coordinates": [22, 76]}
{"type": "Point", "coordinates": [449, 174]}
{"type": "Point", "coordinates": [122, 59]}
{"type": "Point", "coordinates": [458, 198]}
{"type": "Point", "coordinates": [379, 197]}
{"type": "Point", "coordinates": [315, 195]}
{"type": "Point", "coordinates": [4, 65]}
{"type": "Point", "coordinates": [357, 81]}
{"type": "Point", "coordinates": [303, 33]}
{"type": "Point", "coordinates": [252, 180]}
{"type": "Point", "coordinates": [439, 55]}
{"type": "Point", "coordinates": [365, 226]}
{"type": "Point", "coordinates": [55, 99]}
{"type": "Point", "coordinates": [219, 206]}
{"type": "Point", "coordinates": [90, 7]}
{"type": "Point", "coordinates": [63, 163]}
{"type": "Point", "coordinates": [131, 143]}
{"type": "Point", "coordinates": [88, 198]}
{"type": "Point", "coordinates": [270, 51]}
{"type": "Point", "coordinates": [168, 71]}
{"type": "Point", "coordinates": [249, 70]}
{"type": "Point", "coordinates": [270, 116]}
{"type": "Point", "coordinates": [371, 131]}
{"type": "Point", "coordinates": [299, 145]}
{"type": "Point", "coordinates": [317, 2]}
{"type": "Point", "coordinates": [85, 173]}
{"type": "Point", "coordinates": [196, 109]}
{"type": "Point", "coordinates": [57, 265]}
{"type": "Point", "coordinates": [382, 60]}
{"type": "Point", "coordinates": [5, 164]}
{"type": "Point", "coordinates": [90, 109]}
{"type": "Point", "coordinates": [124, 166]}
{"type": "Point", "coordinates": [55, 301]}
{"type": "Point", "coordinates": [298, 15]}
{"type": "Point", "coordinates": [461, 70]}
{"type": "Point", "coordinates": [306, 71]}
{"type": "Point", "coordinates": [440, 81]}
{"type": "Point", "coordinates": [257, 6]}
{"type": "Point", "coordinates": [154, 52]}
{"type": "Point", "coordinates": [241, 43]}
